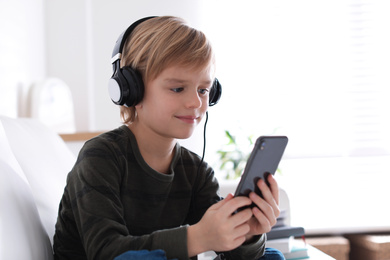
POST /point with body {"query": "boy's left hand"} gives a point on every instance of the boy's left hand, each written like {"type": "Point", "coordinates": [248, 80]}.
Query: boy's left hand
{"type": "Point", "coordinates": [267, 210]}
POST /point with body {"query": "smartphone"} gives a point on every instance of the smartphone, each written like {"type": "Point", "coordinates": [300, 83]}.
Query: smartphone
{"type": "Point", "coordinates": [264, 160]}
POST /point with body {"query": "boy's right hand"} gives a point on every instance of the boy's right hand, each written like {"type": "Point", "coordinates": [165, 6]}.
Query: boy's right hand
{"type": "Point", "coordinates": [220, 229]}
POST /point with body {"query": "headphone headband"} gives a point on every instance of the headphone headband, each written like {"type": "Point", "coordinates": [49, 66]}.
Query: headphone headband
{"type": "Point", "coordinates": [120, 43]}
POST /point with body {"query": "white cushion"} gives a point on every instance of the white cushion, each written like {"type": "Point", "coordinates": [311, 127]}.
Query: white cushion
{"type": "Point", "coordinates": [45, 160]}
{"type": "Point", "coordinates": [22, 235]}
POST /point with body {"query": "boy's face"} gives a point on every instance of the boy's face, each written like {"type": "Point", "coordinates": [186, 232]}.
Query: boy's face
{"type": "Point", "coordinates": [175, 101]}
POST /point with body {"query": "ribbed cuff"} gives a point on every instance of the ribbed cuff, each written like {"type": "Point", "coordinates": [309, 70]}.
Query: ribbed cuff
{"type": "Point", "coordinates": [173, 242]}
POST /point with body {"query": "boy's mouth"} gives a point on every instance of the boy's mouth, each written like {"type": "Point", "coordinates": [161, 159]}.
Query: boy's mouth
{"type": "Point", "coordinates": [188, 119]}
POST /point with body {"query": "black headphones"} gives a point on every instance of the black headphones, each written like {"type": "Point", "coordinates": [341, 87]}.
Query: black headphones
{"type": "Point", "coordinates": [126, 86]}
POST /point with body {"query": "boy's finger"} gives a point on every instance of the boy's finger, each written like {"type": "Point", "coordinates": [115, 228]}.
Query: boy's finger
{"type": "Point", "coordinates": [235, 203]}
{"type": "Point", "coordinates": [264, 188]}
{"type": "Point", "coordinates": [242, 216]}
{"type": "Point", "coordinates": [219, 204]}
{"type": "Point", "coordinates": [267, 193]}
{"type": "Point", "coordinates": [268, 201]}
{"type": "Point", "coordinates": [274, 187]}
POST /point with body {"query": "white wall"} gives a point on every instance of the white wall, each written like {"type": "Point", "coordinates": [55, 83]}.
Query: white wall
{"type": "Point", "coordinates": [66, 37]}
{"type": "Point", "coordinates": [22, 50]}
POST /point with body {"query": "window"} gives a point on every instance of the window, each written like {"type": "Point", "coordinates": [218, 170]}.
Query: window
{"type": "Point", "coordinates": [318, 72]}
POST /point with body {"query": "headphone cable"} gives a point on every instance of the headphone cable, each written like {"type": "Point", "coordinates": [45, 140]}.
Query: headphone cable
{"type": "Point", "coordinates": [200, 164]}
{"type": "Point", "coordinates": [204, 139]}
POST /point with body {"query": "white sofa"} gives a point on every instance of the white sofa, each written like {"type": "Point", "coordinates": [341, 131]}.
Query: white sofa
{"type": "Point", "coordinates": [34, 163]}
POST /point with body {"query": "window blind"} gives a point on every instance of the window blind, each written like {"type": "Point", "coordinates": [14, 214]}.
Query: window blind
{"type": "Point", "coordinates": [369, 88]}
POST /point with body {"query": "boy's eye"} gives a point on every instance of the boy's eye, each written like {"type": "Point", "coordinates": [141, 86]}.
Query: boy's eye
{"type": "Point", "coordinates": [203, 91]}
{"type": "Point", "coordinates": [177, 90]}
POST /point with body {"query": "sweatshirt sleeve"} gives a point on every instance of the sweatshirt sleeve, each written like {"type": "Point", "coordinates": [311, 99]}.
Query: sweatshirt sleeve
{"type": "Point", "coordinates": [91, 212]}
{"type": "Point", "coordinates": [253, 250]}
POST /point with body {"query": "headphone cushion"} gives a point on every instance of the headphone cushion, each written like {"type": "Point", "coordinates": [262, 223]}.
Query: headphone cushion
{"type": "Point", "coordinates": [215, 93]}
{"type": "Point", "coordinates": [133, 87]}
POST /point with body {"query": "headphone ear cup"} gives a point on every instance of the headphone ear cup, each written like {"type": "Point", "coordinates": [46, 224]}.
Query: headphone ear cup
{"type": "Point", "coordinates": [215, 93]}
{"type": "Point", "coordinates": [133, 88]}
{"type": "Point", "coordinates": [115, 90]}
{"type": "Point", "coordinates": [126, 87]}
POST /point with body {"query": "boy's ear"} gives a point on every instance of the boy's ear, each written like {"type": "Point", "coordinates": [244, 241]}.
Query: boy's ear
{"type": "Point", "coordinates": [139, 105]}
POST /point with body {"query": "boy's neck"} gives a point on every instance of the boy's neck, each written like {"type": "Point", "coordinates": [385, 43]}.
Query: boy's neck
{"type": "Point", "coordinates": [157, 151]}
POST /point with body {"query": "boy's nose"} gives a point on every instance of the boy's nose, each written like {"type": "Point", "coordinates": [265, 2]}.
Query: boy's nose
{"type": "Point", "coordinates": [194, 100]}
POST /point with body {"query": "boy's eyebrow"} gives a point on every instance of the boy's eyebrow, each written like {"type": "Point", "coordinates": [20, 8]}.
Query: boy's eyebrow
{"type": "Point", "coordinates": [175, 80]}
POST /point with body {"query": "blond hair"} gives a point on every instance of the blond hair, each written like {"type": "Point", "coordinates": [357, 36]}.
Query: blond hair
{"type": "Point", "coordinates": [160, 42]}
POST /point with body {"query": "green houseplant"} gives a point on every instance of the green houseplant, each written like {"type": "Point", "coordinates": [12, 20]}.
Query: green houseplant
{"type": "Point", "coordinates": [234, 154]}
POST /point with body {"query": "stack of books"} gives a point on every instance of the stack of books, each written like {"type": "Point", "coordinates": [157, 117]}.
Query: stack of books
{"type": "Point", "coordinates": [291, 249]}
{"type": "Point", "coordinates": [282, 236]}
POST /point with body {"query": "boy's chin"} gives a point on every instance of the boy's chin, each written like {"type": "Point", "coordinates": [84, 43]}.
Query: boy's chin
{"type": "Point", "coordinates": [185, 136]}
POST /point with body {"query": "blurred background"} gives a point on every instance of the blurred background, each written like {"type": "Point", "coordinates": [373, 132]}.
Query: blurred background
{"type": "Point", "coordinates": [316, 71]}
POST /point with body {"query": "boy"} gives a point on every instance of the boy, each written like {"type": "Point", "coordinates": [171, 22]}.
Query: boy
{"type": "Point", "coordinates": [134, 187]}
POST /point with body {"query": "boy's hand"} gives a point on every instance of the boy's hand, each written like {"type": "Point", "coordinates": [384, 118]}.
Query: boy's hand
{"type": "Point", "coordinates": [220, 229]}
{"type": "Point", "coordinates": [267, 209]}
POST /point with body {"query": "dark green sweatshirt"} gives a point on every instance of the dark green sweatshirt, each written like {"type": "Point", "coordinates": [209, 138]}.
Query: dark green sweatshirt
{"type": "Point", "coordinates": [114, 202]}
